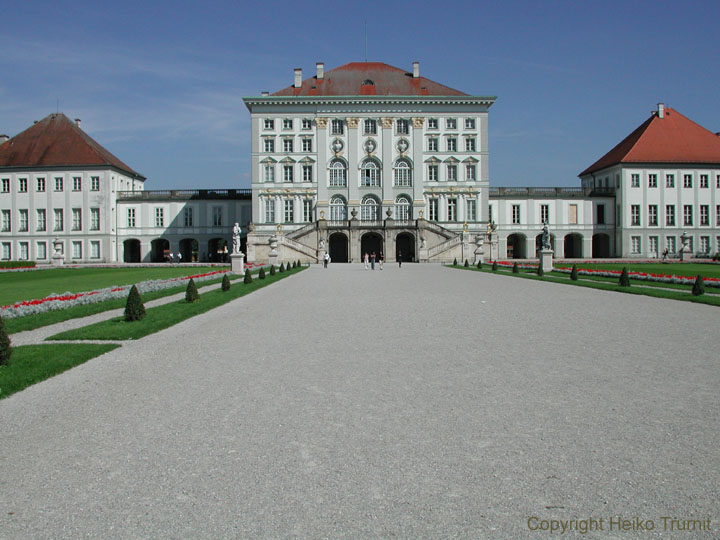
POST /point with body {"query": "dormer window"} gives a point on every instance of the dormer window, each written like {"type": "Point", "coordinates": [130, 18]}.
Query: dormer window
{"type": "Point", "coordinates": [368, 82]}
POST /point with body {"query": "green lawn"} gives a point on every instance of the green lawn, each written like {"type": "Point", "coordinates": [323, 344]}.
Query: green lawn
{"type": "Point", "coordinates": [36, 284]}
{"type": "Point", "coordinates": [30, 364]}
{"type": "Point", "coordinates": [676, 269]}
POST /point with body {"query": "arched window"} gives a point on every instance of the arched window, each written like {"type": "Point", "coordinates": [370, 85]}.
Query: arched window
{"type": "Point", "coordinates": [402, 208]}
{"type": "Point", "coordinates": [338, 209]}
{"type": "Point", "coordinates": [338, 174]}
{"type": "Point", "coordinates": [370, 174]}
{"type": "Point", "coordinates": [369, 209]}
{"type": "Point", "coordinates": [403, 174]}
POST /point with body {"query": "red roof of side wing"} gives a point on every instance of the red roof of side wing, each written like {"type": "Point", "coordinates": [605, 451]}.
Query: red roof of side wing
{"type": "Point", "coordinates": [368, 78]}
{"type": "Point", "coordinates": [56, 141]}
{"type": "Point", "coordinates": [671, 139]}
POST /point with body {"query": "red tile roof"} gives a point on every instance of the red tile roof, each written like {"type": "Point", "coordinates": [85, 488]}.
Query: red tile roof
{"type": "Point", "coordinates": [671, 139]}
{"type": "Point", "coordinates": [368, 78]}
{"type": "Point", "coordinates": [56, 141]}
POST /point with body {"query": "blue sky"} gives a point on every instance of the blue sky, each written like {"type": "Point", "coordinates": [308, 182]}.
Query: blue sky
{"type": "Point", "coordinates": [160, 84]}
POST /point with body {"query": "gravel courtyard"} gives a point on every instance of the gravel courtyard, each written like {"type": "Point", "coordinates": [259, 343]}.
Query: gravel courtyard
{"type": "Point", "coordinates": [420, 402]}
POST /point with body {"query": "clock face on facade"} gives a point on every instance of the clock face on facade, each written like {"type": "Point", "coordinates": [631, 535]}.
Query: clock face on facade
{"type": "Point", "coordinates": [337, 145]}
{"type": "Point", "coordinates": [402, 145]}
{"type": "Point", "coordinates": [370, 146]}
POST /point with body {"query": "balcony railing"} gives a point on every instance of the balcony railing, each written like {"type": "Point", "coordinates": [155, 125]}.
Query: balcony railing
{"type": "Point", "coordinates": [184, 194]}
{"type": "Point", "coordinates": [550, 192]}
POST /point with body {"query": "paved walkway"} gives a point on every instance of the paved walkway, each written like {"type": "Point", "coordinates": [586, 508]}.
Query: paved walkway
{"type": "Point", "coordinates": [343, 403]}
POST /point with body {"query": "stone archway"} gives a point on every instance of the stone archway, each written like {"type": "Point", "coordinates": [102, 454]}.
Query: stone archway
{"type": "Point", "coordinates": [573, 246]}
{"type": "Point", "coordinates": [600, 246]}
{"type": "Point", "coordinates": [189, 250]}
{"type": "Point", "coordinates": [405, 244]}
{"type": "Point", "coordinates": [516, 246]}
{"type": "Point", "coordinates": [217, 250]}
{"type": "Point", "coordinates": [131, 250]}
{"type": "Point", "coordinates": [338, 247]}
{"type": "Point", "coordinates": [371, 243]}
{"type": "Point", "coordinates": [160, 250]}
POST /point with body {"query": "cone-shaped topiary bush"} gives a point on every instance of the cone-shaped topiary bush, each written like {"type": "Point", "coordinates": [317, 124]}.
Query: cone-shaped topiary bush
{"type": "Point", "coordinates": [282, 268]}
{"type": "Point", "coordinates": [479, 264]}
{"type": "Point", "coordinates": [272, 269]}
{"type": "Point", "coordinates": [191, 293]}
{"type": "Point", "coordinates": [299, 264]}
{"type": "Point", "coordinates": [516, 269]}
{"type": "Point", "coordinates": [225, 283]}
{"type": "Point", "coordinates": [467, 264]}
{"type": "Point", "coordinates": [248, 277]}
{"type": "Point", "coordinates": [573, 273]}
{"type": "Point", "coordinates": [454, 262]}
{"type": "Point", "coordinates": [5, 346]}
{"type": "Point", "coordinates": [294, 264]}
{"type": "Point", "coordinates": [624, 278]}
{"type": "Point", "coordinates": [494, 267]}
{"type": "Point", "coordinates": [698, 286]}
{"type": "Point", "coordinates": [261, 274]}
{"type": "Point", "coordinates": [134, 308]}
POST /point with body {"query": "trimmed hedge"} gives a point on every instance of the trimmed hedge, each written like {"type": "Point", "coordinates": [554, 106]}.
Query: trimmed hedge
{"type": "Point", "coordinates": [516, 270]}
{"type": "Point", "coordinates": [272, 269]}
{"type": "Point", "coordinates": [574, 273]}
{"type": "Point", "coordinates": [5, 346]}
{"type": "Point", "coordinates": [261, 274]}
{"type": "Point", "coordinates": [624, 280]}
{"type": "Point", "coordinates": [494, 266]}
{"type": "Point", "coordinates": [699, 286]}
{"type": "Point", "coordinates": [248, 278]}
{"type": "Point", "coordinates": [191, 293]}
{"type": "Point", "coordinates": [225, 283]}
{"type": "Point", "coordinates": [17, 264]}
{"type": "Point", "coordinates": [134, 308]}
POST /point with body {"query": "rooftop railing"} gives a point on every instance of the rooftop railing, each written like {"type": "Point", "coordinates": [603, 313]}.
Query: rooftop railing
{"type": "Point", "coordinates": [184, 194]}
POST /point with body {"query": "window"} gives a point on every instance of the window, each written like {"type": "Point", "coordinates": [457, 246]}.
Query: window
{"type": "Point", "coordinates": [403, 127]}
{"type": "Point", "coordinates": [188, 216]}
{"type": "Point", "coordinates": [307, 145]}
{"type": "Point", "coordinates": [268, 144]}
{"type": "Point", "coordinates": [653, 246]}
{"type": "Point", "coordinates": [669, 180]}
{"type": "Point", "coordinates": [131, 217]}
{"type": "Point", "coordinates": [432, 123]}
{"type": "Point", "coordinates": [94, 219]}
{"type": "Point", "coordinates": [6, 185]}
{"type": "Point", "coordinates": [652, 180]}
{"type": "Point", "coordinates": [717, 218]}
{"type": "Point", "coordinates": [452, 144]}
{"type": "Point", "coordinates": [516, 214]}
{"type": "Point", "coordinates": [288, 173]}
{"type": "Point", "coordinates": [336, 127]}
{"type": "Point", "coordinates": [600, 214]}
{"type": "Point", "coordinates": [76, 219]}
{"type": "Point", "coordinates": [704, 215]}
{"type": "Point", "coordinates": [41, 250]}
{"type": "Point", "coordinates": [269, 173]}
{"type": "Point", "coordinates": [471, 210]}
{"type": "Point", "coordinates": [370, 174]}
{"type": "Point", "coordinates": [433, 209]}
{"type": "Point", "coordinates": [58, 184]}
{"type": "Point", "coordinates": [717, 183]}
{"type": "Point", "coordinates": [670, 215]}
{"type": "Point", "coordinates": [307, 210]}
{"type": "Point", "coordinates": [652, 215]}
{"type": "Point", "coordinates": [159, 217]}
{"type": "Point", "coordinates": [287, 145]}
{"type": "Point", "coordinates": [369, 209]}
{"type": "Point", "coordinates": [544, 213]}
{"type": "Point", "coordinates": [470, 144]}
{"type": "Point", "coordinates": [94, 183]}
{"type": "Point", "coordinates": [370, 127]}
{"type": "Point", "coordinates": [269, 123]}
{"type": "Point", "coordinates": [307, 173]}
{"type": "Point", "coordinates": [6, 252]}
{"type": "Point", "coordinates": [269, 211]}
{"type": "Point", "coordinates": [94, 249]}
{"type": "Point", "coordinates": [77, 250]}
{"type": "Point", "coordinates": [432, 173]}
{"type": "Point", "coordinates": [338, 209]}
{"type": "Point", "coordinates": [704, 181]}
{"type": "Point", "coordinates": [469, 123]}
{"type": "Point", "coordinates": [705, 245]}
{"type": "Point", "coordinates": [670, 243]}
{"type": "Point", "coordinates": [687, 180]}
{"type": "Point", "coordinates": [635, 242]}
{"type": "Point", "coordinates": [635, 214]}
{"type": "Point", "coordinates": [635, 180]}
{"type": "Point", "coordinates": [58, 225]}
{"type": "Point", "coordinates": [451, 123]}
{"type": "Point", "coordinates": [338, 174]}
{"type": "Point", "coordinates": [24, 251]}
{"type": "Point", "coordinates": [40, 224]}
{"type": "Point", "coordinates": [688, 215]}
{"type": "Point", "coordinates": [287, 123]}
{"type": "Point", "coordinates": [23, 220]}
{"type": "Point", "coordinates": [470, 173]}
{"type": "Point", "coordinates": [403, 174]}
{"type": "Point", "coordinates": [402, 208]}
{"type": "Point", "coordinates": [6, 221]}
{"type": "Point", "coordinates": [77, 183]}
{"type": "Point", "coordinates": [306, 123]}
{"type": "Point", "coordinates": [22, 185]}
{"type": "Point", "coordinates": [432, 144]}
{"type": "Point", "coordinates": [573, 214]}
{"type": "Point", "coordinates": [217, 216]}
{"type": "Point", "coordinates": [452, 209]}
{"type": "Point", "coordinates": [452, 173]}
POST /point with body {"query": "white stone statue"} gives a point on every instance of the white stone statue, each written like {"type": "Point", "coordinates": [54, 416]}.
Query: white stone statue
{"type": "Point", "coordinates": [545, 239]}
{"type": "Point", "coordinates": [424, 242]}
{"type": "Point", "coordinates": [236, 238]}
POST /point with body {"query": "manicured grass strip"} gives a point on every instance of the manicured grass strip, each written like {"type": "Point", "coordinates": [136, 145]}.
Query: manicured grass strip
{"type": "Point", "coordinates": [31, 322]}
{"type": "Point", "coordinates": [712, 300]}
{"type": "Point", "coordinates": [161, 317]}
{"type": "Point", "coordinates": [642, 283]}
{"type": "Point", "coordinates": [677, 269]}
{"type": "Point", "coordinates": [31, 364]}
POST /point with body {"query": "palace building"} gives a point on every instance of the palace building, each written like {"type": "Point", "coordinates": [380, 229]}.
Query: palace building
{"type": "Point", "coordinates": [361, 158]}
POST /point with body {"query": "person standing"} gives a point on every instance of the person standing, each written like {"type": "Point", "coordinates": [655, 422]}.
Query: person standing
{"type": "Point", "coordinates": [179, 257]}
{"type": "Point", "coordinates": [326, 259]}
{"type": "Point", "coordinates": [372, 260]}
{"type": "Point", "coordinates": [366, 259]}
{"type": "Point", "coordinates": [381, 259]}
{"type": "Point", "coordinates": [399, 258]}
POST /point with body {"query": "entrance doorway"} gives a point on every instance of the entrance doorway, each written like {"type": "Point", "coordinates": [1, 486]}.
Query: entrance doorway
{"type": "Point", "coordinates": [573, 246]}
{"type": "Point", "coordinates": [339, 248]}
{"type": "Point", "coordinates": [405, 244]}
{"type": "Point", "coordinates": [131, 251]}
{"type": "Point", "coordinates": [160, 250]}
{"type": "Point", "coordinates": [369, 243]}
{"type": "Point", "coordinates": [600, 246]}
{"type": "Point", "coordinates": [189, 250]}
{"type": "Point", "coordinates": [516, 246]}
{"type": "Point", "coordinates": [217, 250]}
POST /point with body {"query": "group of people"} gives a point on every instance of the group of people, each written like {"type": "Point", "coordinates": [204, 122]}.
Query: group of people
{"type": "Point", "coordinates": [171, 257]}
{"type": "Point", "coordinates": [371, 258]}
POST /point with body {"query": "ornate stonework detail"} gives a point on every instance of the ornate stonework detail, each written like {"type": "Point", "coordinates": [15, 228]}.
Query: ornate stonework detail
{"type": "Point", "coordinates": [418, 123]}
{"type": "Point", "coordinates": [337, 145]}
{"type": "Point", "coordinates": [402, 145]}
{"type": "Point", "coordinates": [352, 122]}
{"type": "Point", "coordinates": [370, 146]}
{"type": "Point", "coordinates": [321, 123]}
{"type": "Point", "coordinates": [387, 123]}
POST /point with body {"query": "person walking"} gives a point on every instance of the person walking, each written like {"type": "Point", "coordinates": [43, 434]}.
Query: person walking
{"type": "Point", "coordinates": [179, 257]}
{"type": "Point", "coordinates": [366, 260]}
{"type": "Point", "coordinates": [381, 259]}
{"type": "Point", "coordinates": [399, 258]}
{"type": "Point", "coordinates": [372, 260]}
{"type": "Point", "coordinates": [326, 259]}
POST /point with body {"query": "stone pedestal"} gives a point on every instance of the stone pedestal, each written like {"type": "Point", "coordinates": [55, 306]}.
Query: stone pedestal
{"type": "Point", "coordinates": [546, 259]}
{"type": "Point", "coordinates": [237, 263]}
{"type": "Point", "coordinates": [57, 260]}
{"type": "Point", "coordinates": [58, 257]}
{"type": "Point", "coordinates": [685, 253]}
{"type": "Point", "coordinates": [423, 254]}
{"type": "Point", "coordinates": [273, 256]}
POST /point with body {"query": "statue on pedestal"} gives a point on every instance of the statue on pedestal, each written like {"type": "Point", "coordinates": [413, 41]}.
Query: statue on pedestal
{"type": "Point", "coordinates": [236, 231]}
{"type": "Point", "coordinates": [545, 240]}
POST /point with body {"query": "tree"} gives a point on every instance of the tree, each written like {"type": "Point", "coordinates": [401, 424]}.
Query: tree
{"type": "Point", "coordinates": [479, 264]}
{"type": "Point", "coordinates": [134, 308]}
{"type": "Point", "coordinates": [261, 274]}
{"type": "Point", "coordinates": [624, 278]}
{"type": "Point", "coordinates": [248, 278]}
{"type": "Point", "coordinates": [698, 286]}
{"type": "Point", "coordinates": [516, 270]}
{"type": "Point", "coordinates": [455, 262]}
{"type": "Point", "coordinates": [5, 345]}
{"type": "Point", "coordinates": [191, 293]}
{"type": "Point", "coordinates": [299, 264]}
{"type": "Point", "coordinates": [272, 269]}
{"type": "Point", "coordinates": [225, 283]}
{"type": "Point", "coordinates": [573, 273]}
{"type": "Point", "coordinates": [467, 264]}
{"type": "Point", "coordinates": [282, 268]}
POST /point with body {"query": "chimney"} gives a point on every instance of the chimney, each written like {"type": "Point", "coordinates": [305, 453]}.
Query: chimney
{"type": "Point", "coordinates": [265, 93]}
{"type": "Point", "coordinates": [320, 66]}
{"type": "Point", "coordinates": [77, 122]}
{"type": "Point", "coordinates": [416, 70]}
{"type": "Point", "coordinates": [298, 77]}
{"type": "Point", "coordinates": [3, 138]}
{"type": "Point", "coordinates": [661, 110]}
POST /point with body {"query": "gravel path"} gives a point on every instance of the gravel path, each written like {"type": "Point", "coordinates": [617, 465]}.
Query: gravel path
{"type": "Point", "coordinates": [343, 403]}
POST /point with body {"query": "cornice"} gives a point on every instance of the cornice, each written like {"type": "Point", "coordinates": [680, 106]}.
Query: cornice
{"type": "Point", "coordinates": [252, 101]}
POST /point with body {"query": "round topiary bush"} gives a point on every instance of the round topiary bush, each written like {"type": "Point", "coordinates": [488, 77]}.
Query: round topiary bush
{"type": "Point", "coordinates": [261, 274]}
{"type": "Point", "coordinates": [272, 269]}
{"type": "Point", "coordinates": [515, 270]}
{"type": "Point", "coordinates": [494, 266]}
{"type": "Point", "coordinates": [5, 346]}
{"type": "Point", "coordinates": [624, 278]}
{"type": "Point", "coordinates": [282, 268]}
{"type": "Point", "coordinates": [573, 273]}
{"type": "Point", "coordinates": [698, 286]}
{"type": "Point", "coordinates": [134, 308]}
{"type": "Point", "coordinates": [248, 278]}
{"type": "Point", "coordinates": [191, 293]}
{"type": "Point", "coordinates": [455, 262]}
{"type": "Point", "coordinates": [225, 283]}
